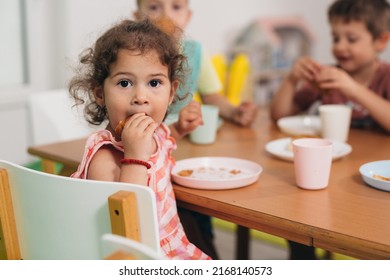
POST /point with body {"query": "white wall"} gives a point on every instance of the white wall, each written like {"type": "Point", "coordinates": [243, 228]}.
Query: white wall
{"type": "Point", "coordinates": [232, 15]}
{"type": "Point", "coordinates": [77, 23]}
{"type": "Point", "coordinates": [10, 43]}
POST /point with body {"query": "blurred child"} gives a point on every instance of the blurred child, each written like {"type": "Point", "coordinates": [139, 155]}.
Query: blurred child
{"type": "Point", "coordinates": [202, 75]}
{"type": "Point", "coordinates": [203, 79]}
{"type": "Point", "coordinates": [129, 77]}
{"type": "Point", "coordinates": [360, 31]}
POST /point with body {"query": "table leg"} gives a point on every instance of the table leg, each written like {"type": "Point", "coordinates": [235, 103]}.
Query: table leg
{"type": "Point", "coordinates": [242, 243]}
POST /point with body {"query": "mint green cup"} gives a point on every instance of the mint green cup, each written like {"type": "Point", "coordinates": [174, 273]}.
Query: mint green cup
{"type": "Point", "coordinates": [206, 133]}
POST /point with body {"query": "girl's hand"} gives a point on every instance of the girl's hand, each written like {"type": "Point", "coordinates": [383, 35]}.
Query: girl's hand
{"type": "Point", "coordinates": [137, 137]}
{"type": "Point", "coordinates": [190, 117]}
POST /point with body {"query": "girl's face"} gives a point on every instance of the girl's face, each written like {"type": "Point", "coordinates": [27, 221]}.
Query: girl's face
{"type": "Point", "coordinates": [175, 10]}
{"type": "Point", "coordinates": [136, 84]}
{"type": "Point", "coordinates": [354, 47]}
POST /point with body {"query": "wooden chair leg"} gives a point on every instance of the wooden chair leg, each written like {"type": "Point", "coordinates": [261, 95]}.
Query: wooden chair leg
{"type": "Point", "coordinates": [242, 243]}
{"type": "Point", "coordinates": [9, 242]}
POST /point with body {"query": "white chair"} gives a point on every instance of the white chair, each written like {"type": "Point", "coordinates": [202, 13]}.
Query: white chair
{"type": "Point", "coordinates": [115, 247]}
{"type": "Point", "coordinates": [45, 216]}
{"type": "Point", "coordinates": [53, 117]}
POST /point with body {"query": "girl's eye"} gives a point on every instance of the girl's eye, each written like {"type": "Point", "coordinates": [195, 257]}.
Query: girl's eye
{"type": "Point", "coordinates": [154, 83]}
{"type": "Point", "coordinates": [153, 8]}
{"type": "Point", "coordinates": [124, 83]}
{"type": "Point", "coordinates": [177, 7]}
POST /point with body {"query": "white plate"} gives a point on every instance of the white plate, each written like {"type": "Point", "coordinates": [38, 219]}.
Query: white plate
{"type": "Point", "coordinates": [300, 125]}
{"type": "Point", "coordinates": [281, 148]}
{"type": "Point", "coordinates": [381, 168]}
{"type": "Point", "coordinates": [216, 173]}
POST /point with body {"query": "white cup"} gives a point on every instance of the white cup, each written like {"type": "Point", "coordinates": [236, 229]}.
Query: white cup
{"type": "Point", "coordinates": [335, 121]}
{"type": "Point", "coordinates": [206, 133]}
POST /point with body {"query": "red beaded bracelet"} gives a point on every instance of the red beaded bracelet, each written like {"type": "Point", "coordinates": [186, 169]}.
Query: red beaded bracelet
{"type": "Point", "coordinates": [136, 161]}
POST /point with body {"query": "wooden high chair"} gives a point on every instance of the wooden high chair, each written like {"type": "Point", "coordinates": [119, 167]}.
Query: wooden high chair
{"type": "Point", "coordinates": [45, 216]}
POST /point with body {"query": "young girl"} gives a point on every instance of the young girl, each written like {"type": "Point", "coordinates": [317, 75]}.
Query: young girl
{"type": "Point", "coordinates": [204, 80]}
{"type": "Point", "coordinates": [130, 78]}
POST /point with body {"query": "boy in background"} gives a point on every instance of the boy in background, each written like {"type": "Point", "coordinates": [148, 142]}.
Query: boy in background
{"type": "Point", "coordinates": [360, 31]}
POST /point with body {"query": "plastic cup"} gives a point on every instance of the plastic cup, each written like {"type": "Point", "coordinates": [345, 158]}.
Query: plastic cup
{"type": "Point", "coordinates": [335, 121]}
{"type": "Point", "coordinates": [312, 162]}
{"type": "Point", "coordinates": [206, 133]}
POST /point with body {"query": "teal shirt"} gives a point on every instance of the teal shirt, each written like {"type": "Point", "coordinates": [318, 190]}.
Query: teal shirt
{"type": "Point", "coordinates": [193, 52]}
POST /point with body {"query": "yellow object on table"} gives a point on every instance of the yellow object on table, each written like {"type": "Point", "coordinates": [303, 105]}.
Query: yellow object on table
{"type": "Point", "coordinates": [238, 75]}
{"type": "Point", "coordinates": [221, 67]}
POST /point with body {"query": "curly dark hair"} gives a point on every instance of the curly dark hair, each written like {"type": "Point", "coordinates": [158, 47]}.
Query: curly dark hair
{"type": "Point", "coordinates": [142, 37]}
{"type": "Point", "coordinates": [375, 14]}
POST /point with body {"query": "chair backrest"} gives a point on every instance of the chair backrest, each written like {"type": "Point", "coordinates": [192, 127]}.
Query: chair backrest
{"type": "Point", "coordinates": [118, 247]}
{"type": "Point", "coordinates": [53, 117]}
{"type": "Point", "coordinates": [57, 217]}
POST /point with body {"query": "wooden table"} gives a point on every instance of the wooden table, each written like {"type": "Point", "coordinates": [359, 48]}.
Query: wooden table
{"type": "Point", "coordinates": [348, 217]}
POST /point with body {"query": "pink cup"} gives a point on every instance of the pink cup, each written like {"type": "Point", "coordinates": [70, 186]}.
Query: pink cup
{"type": "Point", "coordinates": [312, 162]}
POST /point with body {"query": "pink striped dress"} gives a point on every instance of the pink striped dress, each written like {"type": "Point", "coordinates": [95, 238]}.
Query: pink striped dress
{"type": "Point", "coordinates": [173, 241]}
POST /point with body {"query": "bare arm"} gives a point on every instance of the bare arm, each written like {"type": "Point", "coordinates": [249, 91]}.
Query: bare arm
{"type": "Point", "coordinates": [283, 102]}
{"type": "Point", "coordinates": [175, 131]}
{"type": "Point", "coordinates": [244, 114]}
{"type": "Point", "coordinates": [225, 108]}
{"type": "Point", "coordinates": [304, 70]}
{"type": "Point", "coordinates": [378, 107]}
{"type": "Point", "coordinates": [106, 166]}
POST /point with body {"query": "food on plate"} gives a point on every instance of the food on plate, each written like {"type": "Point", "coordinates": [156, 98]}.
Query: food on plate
{"type": "Point", "coordinates": [211, 172]}
{"type": "Point", "coordinates": [185, 172]}
{"type": "Point", "coordinates": [380, 177]}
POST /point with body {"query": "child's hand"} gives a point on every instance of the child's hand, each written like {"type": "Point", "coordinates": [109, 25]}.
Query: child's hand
{"type": "Point", "coordinates": [306, 69]}
{"type": "Point", "coordinates": [245, 114]}
{"type": "Point", "coordinates": [333, 78]}
{"type": "Point", "coordinates": [137, 137]}
{"type": "Point", "coordinates": [190, 117]}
